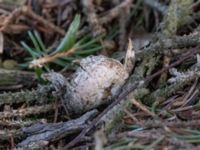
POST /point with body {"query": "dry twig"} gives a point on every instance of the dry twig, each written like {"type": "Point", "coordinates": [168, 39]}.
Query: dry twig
{"type": "Point", "coordinates": [142, 107]}
{"type": "Point", "coordinates": [27, 11]}
{"type": "Point", "coordinates": [39, 62]}
{"type": "Point", "coordinates": [114, 12]}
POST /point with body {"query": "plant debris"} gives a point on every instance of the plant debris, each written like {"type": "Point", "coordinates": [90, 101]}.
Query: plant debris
{"type": "Point", "coordinates": [99, 74]}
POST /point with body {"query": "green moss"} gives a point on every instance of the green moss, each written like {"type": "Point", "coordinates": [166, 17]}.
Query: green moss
{"type": "Point", "coordinates": [9, 64]}
{"type": "Point", "coordinates": [178, 14]}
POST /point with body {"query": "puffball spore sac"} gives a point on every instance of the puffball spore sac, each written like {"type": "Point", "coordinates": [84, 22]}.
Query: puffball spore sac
{"type": "Point", "coordinates": [96, 81]}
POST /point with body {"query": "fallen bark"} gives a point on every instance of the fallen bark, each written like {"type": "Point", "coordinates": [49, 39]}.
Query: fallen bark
{"type": "Point", "coordinates": [50, 132]}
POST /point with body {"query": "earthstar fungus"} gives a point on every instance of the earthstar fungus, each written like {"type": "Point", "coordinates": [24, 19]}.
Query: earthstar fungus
{"type": "Point", "coordinates": [95, 82]}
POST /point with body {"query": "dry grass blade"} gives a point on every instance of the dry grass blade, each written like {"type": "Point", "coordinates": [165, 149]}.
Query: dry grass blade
{"type": "Point", "coordinates": [1, 42]}
{"type": "Point", "coordinates": [130, 57]}
{"type": "Point", "coordinates": [142, 107]}
{"type": "Point", "coordinates": [41, 61]}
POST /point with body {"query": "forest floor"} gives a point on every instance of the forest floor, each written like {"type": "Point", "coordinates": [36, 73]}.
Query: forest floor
{"type": "Point", "coordinates": [157, 108]}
